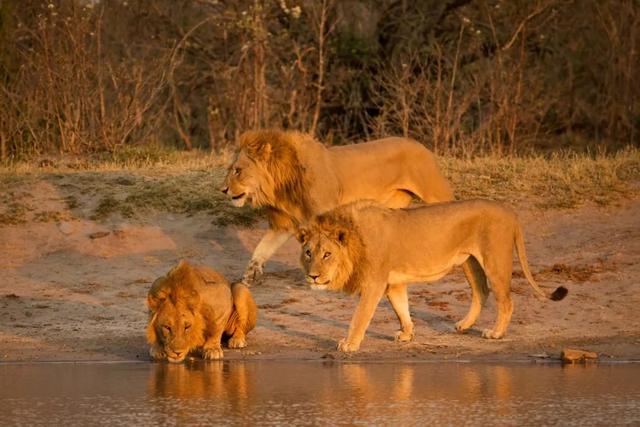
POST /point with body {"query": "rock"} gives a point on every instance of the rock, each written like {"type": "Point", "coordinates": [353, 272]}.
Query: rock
{"type": "Point", "coordinates": [98, 234]}
{"type": "Point", "coordinates": [65, 228]}
{"type": "Point", "coordinates": [544, 355]}
{"type": "Point", "coordinates": [570, 355]}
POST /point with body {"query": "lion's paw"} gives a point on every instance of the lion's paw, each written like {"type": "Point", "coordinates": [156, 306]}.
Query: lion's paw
{"type": "Point", "coordinates": [237, 342]}
{"type": "Point", "coordinates": [157, 353]}
{"type": "Point", "coordinates": [253, 274]}
{"type": "Point", "coordinates": [491, 334]}
{"type": "Point", "coordinates": [345, 346]}
{"type": "Point", "coordinates": [402, 336]}
{"type": "Point", "coordinates": [214, 353]}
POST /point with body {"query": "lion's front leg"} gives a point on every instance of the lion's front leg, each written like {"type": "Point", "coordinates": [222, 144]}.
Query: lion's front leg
{"type": "Point", "coordinates": [369, 300]}
{"type": "Point", "coordinates": [397, 295]}
{"type": "Point", "coordinates": [212, 348]}
{"type": "Point", "coordinates": [270, 243]}
{"type": "Point", "coordinates": [253, 273]}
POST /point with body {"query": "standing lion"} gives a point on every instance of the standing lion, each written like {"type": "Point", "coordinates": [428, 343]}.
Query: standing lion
{"type": "Point", "coordinates": [374, 251]}
{"type": "Point", "coordinates": [295, 177]}
{"type": "Point", "coordinates": [192, 308]}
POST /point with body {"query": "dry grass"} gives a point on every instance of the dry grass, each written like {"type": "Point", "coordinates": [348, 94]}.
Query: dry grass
{"type": "Point", "coordinates": [565, 180]}
{"type": "Point", "coordinates": [136, 185]}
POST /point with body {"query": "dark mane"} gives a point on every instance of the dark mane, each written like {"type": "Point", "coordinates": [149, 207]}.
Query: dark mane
{"type": "Point", "coordinates": [276, 150]}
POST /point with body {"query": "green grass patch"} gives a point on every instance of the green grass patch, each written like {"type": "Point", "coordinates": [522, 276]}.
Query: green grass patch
{"type": "Point", "coordinates": [190, 185]}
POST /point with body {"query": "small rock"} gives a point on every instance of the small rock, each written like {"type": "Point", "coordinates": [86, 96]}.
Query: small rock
{"type": "Point", "coordinates": [65, 228]}
{"type": "Point", "coordinates": [540, 355]}
{"type": "Point", "coordinates": [98, 234]}
{"type": "Point", "coordinates": [328, 356]}
{"type": "Point", "coordinates": [570, 355]}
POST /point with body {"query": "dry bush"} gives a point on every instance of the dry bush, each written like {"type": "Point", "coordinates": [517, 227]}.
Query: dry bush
{"type": "Point", "coordinates": [464, 77]}
{"type": "Point", "coordinates": [76, 88]}
{"type": "Point", "coordinates": [505, 77]}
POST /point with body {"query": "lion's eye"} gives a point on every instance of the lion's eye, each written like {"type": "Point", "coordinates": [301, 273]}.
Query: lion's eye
{"type": "Point", "coordinates": [236, 171]}
{"type": "Point", "coordinates": [187, 326]}
{"type": "Point", "coordinates": [326, 255]}
{"type": "Point", "coordinates": [308, 253]}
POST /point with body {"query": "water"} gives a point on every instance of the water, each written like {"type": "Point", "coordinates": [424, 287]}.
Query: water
{"type": "Point", "coordinates": [312, 393]}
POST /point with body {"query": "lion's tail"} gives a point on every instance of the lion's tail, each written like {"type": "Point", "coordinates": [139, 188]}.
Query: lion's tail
{"type": "Point", "coordinates": [556, 295]}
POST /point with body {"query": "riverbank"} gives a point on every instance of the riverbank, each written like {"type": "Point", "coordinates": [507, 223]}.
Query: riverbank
{"type": "Point", "coordinates": [80, 246]}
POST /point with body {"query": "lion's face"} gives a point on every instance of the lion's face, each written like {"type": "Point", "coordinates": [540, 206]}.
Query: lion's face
{"type": "Point", "coordinates": [178, 330]}
{"type": "Point", "coordinates": [242, 183]}
{"type": "Point", "coordinates": [176, 326]}
{"type": "Point", "coordinates": [324, 258]}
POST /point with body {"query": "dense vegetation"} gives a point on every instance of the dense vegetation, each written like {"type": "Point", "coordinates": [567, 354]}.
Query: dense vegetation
{"type": "Point", "coordinates": [463, 76]}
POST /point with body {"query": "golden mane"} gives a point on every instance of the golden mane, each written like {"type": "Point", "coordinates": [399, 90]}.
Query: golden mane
{"type": "Point", "coordinates": [178, 290]}
{"type": "Point", "coordinates": [276, 151]}
{"type": "Point", "coordinates": [338, 225]}
{"type": "Point", "coordinates": [203, 299]}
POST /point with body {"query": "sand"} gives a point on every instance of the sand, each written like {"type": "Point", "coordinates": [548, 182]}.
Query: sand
{"type": "Point", "coordinates": [74, 289]}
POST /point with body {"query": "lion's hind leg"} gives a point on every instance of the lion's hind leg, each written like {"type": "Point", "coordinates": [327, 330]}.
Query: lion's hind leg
{"type": "Point", "coordinates": [479, 292]}
{"type": "Point", "coordinates": [500, 278]}
{"type": "Point", "coordinates": [243, 318]}
{"type": "Point", "coordinates": [397, 295]}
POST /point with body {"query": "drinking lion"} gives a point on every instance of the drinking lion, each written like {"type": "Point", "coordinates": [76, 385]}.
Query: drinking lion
{"type": "Point", "coordinates": [191, 308]}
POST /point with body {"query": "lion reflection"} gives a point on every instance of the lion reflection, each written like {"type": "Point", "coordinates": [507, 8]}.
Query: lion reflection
{"type": "Point", "coordinates": [224, 382]}
{"type": "Point", "coordinates": [405, 384]}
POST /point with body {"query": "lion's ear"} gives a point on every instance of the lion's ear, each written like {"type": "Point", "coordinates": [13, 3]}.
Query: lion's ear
{"type": "Point", "coordinates": [263, 151]}
{"type": "Point", "coordinates": [342, 236]}
{"type": "Point", "coordinates": [157, 294]}
{"type": "Point", "coordinates": [302, 234]}
{"type": "Point", "coordinates": [183, 266]}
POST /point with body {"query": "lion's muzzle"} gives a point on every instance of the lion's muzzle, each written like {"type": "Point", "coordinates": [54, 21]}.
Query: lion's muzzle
{"type": "Point", "coordinates": [239, 199]}
{"type": "Point", "coordinates": [315, 283]}
{"type": "Point", "coordinates": [176, 356]}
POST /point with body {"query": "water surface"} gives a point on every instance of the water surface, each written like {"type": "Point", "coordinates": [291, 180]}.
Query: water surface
{"type": "Point", "coordinates": [313, 393]}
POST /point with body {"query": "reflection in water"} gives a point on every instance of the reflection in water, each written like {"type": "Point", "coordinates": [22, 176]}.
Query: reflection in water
{"type": "Point", "coordinates": [224, 383]}
{"type": "Point", "coordinates": [235, 392]}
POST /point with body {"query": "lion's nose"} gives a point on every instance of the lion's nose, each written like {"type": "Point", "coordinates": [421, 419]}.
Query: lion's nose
{"type": "Point", "coordinates": [225, 190]}
{"type": "Point", "coordinates": [313, 276]}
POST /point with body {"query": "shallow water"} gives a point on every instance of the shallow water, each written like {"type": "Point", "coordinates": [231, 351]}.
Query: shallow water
{"type": "Point", "coordinates": [312, 393]}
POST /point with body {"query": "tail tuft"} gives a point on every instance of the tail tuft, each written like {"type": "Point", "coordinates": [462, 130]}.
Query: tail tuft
{"type": "Point", "coordinates": [559, 293]}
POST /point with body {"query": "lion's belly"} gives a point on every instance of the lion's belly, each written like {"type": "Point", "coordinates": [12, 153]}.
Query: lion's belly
{"type": "Point", "coordinates": [413, 275]}
{"type": "Point", "coordinates": [396, 277]}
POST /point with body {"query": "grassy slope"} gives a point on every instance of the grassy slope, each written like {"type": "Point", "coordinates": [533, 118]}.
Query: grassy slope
{"type": "Point", "coordinates": [140, 183]}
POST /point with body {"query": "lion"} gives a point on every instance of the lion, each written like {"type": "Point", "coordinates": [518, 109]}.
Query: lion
{"type": "Point", "coordinates": [295, 177]}
{"type": "Point", "coordinates": [371, 250]}
{"type": "Point", "coordinates": [191, 308]}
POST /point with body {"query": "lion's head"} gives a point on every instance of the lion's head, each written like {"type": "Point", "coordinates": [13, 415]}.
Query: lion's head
{"type": "Point", "coordinates": [176, 325]}
{"type": "Point", "coordinates": [332, 252]}
{"type": "Point", "coordinates": [266, 170]}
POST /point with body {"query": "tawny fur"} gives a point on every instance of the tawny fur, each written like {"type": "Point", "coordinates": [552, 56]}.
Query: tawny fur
{"type": "Point", "coordinates": [372, 250]}
{"type": "Point", "coordinates": [192, 308]}
{"type": "Point", "coordinates": [295, 177]}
